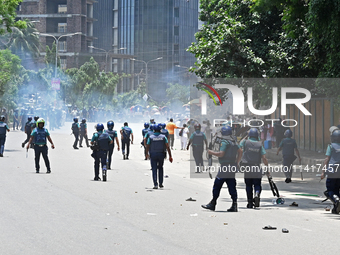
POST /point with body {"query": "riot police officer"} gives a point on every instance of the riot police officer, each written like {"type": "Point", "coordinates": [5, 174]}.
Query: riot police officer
{"type": "Point", "coordinates": [101, 141]}
{"type": "Point", "coordinates": [164, 131]}
{"type": "Point", "coordinates": [126, 132]}
{"type": "Point", "coordinates": [83, 133]}
{"type": "Point", "coordinates": [155, 146]}
{"type": "Point", "coordinates": [253, 152]}
{"type": "Point", "coordinates": [288, 146]}
{"type": "Point", "coordinates": [34, 123]}
{"type": "Point", "coordinates": [39, 135]}
{"type": "Point", "coordinates": [331, 163]}
{"type": "Point", "coordinates": [3, 129]}
{"type": "Point", "coordinates": [197, 139]}
{"type": "Point", "coordinates": [143, 143]}
{"type": "Point", "coordinates": [27, 131]}
{"type": "Point", "coordinates": [75, 131]}
{"type": "Point", "coordinates": [227, 154]}
{"type": "Point", "coordinates": [113, 135]}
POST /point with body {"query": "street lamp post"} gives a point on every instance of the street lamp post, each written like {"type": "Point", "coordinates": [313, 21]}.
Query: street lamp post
{"type": "Point", "coordinates": [106, 53]}
{"type": "Point", "coordinates": [57, 42]}
{"type": "Point", "coordinates": [146, 69]}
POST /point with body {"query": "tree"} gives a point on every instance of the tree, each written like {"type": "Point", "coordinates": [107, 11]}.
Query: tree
{"type": "Point", "coordinates": [177, 93]}
{"type": "Point", "coordinates": [8, 14]}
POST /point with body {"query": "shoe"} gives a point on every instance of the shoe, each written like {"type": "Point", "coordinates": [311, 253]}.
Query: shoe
{"type": "Point", "coordinates": [124, 156]}
{"type": "Point", "coordinates": [109, 168]}
{"type": "Point", "coordinates": [127, 157]}
{"type": "Point", "coordinates": [161, 186]}
{"type": "Point", "coordinates": [81, 146]}
{"type": "Point", "coordinates": [146, 159]}
{"type": "Point", "coordinates": [76, 148]}
{"type": "Point", "coordinates": [211, 206]}
{"type": "Point", "coordinates": [48, 171]}
{"type": "Point", "coordinates": [257, 199]}
{"type": "Point", "coordinates": [250, 203]}
{"type": "Point", "coordinates": [37, 171]}
{"type": "Point", "coordinates": [1, 155]}
{"type": "Point", "coordinates": [97, 179]}
{"type": "Point", "coordinates": [233, 207]}
{"type": "Point", "coordinates": [22, 145]}
{"type": "Point", "coordinates": [155, 187]}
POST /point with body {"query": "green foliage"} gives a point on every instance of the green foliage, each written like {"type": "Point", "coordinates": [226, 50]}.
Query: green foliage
{"type": "Point", "coordinates": [177, 93]}
{"type": "Point", "coordinates": [8, 14]}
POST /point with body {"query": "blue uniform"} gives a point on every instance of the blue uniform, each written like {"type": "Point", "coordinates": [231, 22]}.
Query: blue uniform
{"type": "Point", "coordinates": [3, 130]}
{"type": "Point", "coordinates": [103, 139]}
{"type": "Point", "coordinates": [75, 130]}
{"type": "Point", "coordinates": [288, 146]}
{"type": "Point", "coordinates": [197, 140]}
{"type": "Point", "coordinates": [157, 143]}
{"type": "Point", "coordinates": [333, 169]}
{"type": "Point", "coordinates": [113, 135]}
{"type": "Point", "coordinates": [40, 147]}
{"type": "Point", "coordinates": [83, 135]}
{"type": "Point", "coordinates": [126, 140]}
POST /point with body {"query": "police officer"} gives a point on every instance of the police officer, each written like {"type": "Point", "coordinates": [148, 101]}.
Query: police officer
{"type": "Point", "coordinates": [155, 145]}
{"type": "Point", "coordinates": [197, 139]}
{"type": "Point", "coordinates": [288, 146]}
{"type": "Point", "coordinates": [3, 129]}
{"type": "Point", "coordinates": [126, 132]}
{"type": "Point", "coordinates": [143, 143]}
{"type": "Point", "coordinates": [229, 157]}
{"type": "Point", "coordinates": [113, 135]}
{"type": "Point", "coordinates": [27, 131]}
{"type": "Point", "coordinates": [102, 140]}
{"type": "Point", "coordinates": [331, 163]}
{"type": "Point", "coordinates": [34, 123]}
{"type": "Point", "coordinates": [39, 135]}
{"type": "Point", "coordinates": [83, 133]}
{"type": "Point", "coordinates": [75, 131]}
{"type": "Point", "coordinates": [253, 152]}
{"type": "Point", "coordinates": [164, 131]}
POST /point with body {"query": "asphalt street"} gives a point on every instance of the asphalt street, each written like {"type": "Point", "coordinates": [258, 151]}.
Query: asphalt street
{"type": "Point", "coordinates": [66, 212]}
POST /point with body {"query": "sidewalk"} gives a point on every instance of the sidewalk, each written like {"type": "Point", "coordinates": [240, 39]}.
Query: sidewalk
{"type": "Point", "coordinates": [308, 157]}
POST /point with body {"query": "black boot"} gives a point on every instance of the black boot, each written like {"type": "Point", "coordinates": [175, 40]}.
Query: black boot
{"type": "Point", "coordinates": [250, 203]}
{"type": "Point", "coordinates": [257, 199]}
{"type": "Point", "coordinates": [336, 201]}
{"type": "Point", "coordinates": [210, 206]}
{"type": "Point", "coordinates": [233, 207]}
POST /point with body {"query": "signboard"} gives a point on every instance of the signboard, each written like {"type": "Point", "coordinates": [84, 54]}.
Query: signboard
{"type": "Point", "coordinates": [145, 97]}
{"type": "Point", "coordinates": [55, 84]}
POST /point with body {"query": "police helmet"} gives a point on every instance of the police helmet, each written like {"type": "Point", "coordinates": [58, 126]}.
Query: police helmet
{"type": "Point", "coordinates": [100, 127]}
{"type": "Point", "coordinates": [158, 127]}
{"type": "Point", "coordinates": [226, 131]}
{"type": "Point", "coordinates": [83, 120]}
{"type": "Point", "coordinates": [29, 118]}
{"type": "Point", "coordinates": [152, 127]}
{"type": "Point", "coordinates": [197, 126]}
{"type": "Point", "coordinates": [2, 118]}
{"type": "Point", "coordinates": [75, 120]}
{"type": "Point", "coordinates": [152, 121]}
{"type": "Point", "coordinates": [335, 137]}
{"type": "Point", "coordinates": [36, 118]}
{"type": "Point", "coordinates": [110, 124]}
{"type": "Point", "coordinates": [40, 120]}
{"type": "Point", "coordinates": [146, 125]}
{"type": "Point", "coordinates": [288, 133]}
{"type": "Point", "coordinates": [163, 125]}
{"type": "Point", "coordinates": [253, 132]}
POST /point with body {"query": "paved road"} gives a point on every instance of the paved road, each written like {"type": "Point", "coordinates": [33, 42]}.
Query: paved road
{"type": "Point", "coordinates": [67, 212]}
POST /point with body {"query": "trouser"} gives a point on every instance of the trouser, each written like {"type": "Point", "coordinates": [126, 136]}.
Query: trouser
{"type": "Point", "coordinates": [333, 186]}
{"type": "Point", "coordinates": [126, 142]}
{"type": "Point", "coordinates": [15, 123]}
{"type": "Point", "coordinates": [171, 138]}
{"type": "Point", "coordinates": [83, 135]}
{"type": "Point", "coordinates": [250, 183]}
{"type": "Point", "coordinates": [288, 165]}
{"type": "Point", "coordinates": [76, 136]}
{"type": "Point", "coordinates": [109, 155]}
{"type": "Point", "coordinates": [231, 183]}
{"type": "Point", "coordinates": [41, 150]}
{"type": "Point", "coordinates": [198, 154]}
{"type": "Point", "coordinates": [99, 157]}
{"type": "Point", "coordinates": [2, 143]}
{"type": "Point", "coordinates": [157, 161]}
{"type": "Point", "coordinates": [28, 136]}
{"type": "Point", "coordinates": [184, 141]}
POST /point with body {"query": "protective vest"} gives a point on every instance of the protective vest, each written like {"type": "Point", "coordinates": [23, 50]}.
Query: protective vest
{"type": "Point", "coordinates": [231, 152]}
{"type": "Point", "coordinates": [126, 132]}
{"type": "Point", "coordinates": [75, 128]}
{"type": "Point", "coordinates": [165, 132]}
{"type": "Point", "coordinates": [288, 147]}
{"type": "Point", "coordinates": [28, 127]}
{"type": "Point", "coordinates": [33, 124]}
{"type": "Point", "coordinates": [157, 143]}
{"type": "Point", "coordinates": [252, 152]}
{"type": "Point", "coordinates": [144, 131]}
{"type": "Point", "coordinates": [335, 156]}
{"type": "Point", "coordinates": [3, 129]}
{"type": "Point", "coordinates": [198, 139]}
{"type": "Point", "coordinates": [111, 133]}
{"type": "Point", "coordinates": [41, 136]}
{"type": "Point", "coordinates": [103, 141]}
{"type": "Point", "coordinates": [82, 127]}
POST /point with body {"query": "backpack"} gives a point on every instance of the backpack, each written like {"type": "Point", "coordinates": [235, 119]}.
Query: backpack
{"type": "Point", "coordinates": [181, 132]}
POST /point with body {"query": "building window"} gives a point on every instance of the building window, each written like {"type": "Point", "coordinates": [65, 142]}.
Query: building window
{"type": "Point", "coordinates": [176, 30]}
{"type": "Point", "coordinates": [62, 46]}
{"type": "Point", "coordinates": [62, 8]}
{"type": "Point", "coordinates": [176, 12]}
{"type": "Point", "coordinates": [62, 27]}
{"type": "Point", "coordinates": [63, 63]}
